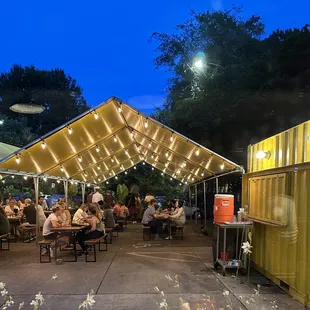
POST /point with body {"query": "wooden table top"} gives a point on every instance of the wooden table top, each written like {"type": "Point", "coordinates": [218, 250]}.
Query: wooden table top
{"type": "Point", "coordinates": [68, 228]}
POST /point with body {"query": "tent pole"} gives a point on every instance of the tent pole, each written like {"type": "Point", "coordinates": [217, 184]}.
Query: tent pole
{"type": "Point", "coordinates": [66, 192]}
{"type": "Point", "coordinates": [83, 192]}
{"type": "Point", "coordinates": [205, 204]}
{"type": "Point", "coordinates": [217, 185]}
{"type": "Point", "coordinates": [36, 196]}
{"type": "Point", "coordinates": [196, 204]}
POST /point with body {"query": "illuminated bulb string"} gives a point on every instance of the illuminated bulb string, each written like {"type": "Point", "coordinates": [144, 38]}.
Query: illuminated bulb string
{"type": "Point", "coordinates": [43, 145]}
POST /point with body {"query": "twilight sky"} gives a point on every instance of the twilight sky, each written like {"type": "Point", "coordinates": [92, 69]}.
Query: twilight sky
{"type": "Point", "coordinates": [105, 45]}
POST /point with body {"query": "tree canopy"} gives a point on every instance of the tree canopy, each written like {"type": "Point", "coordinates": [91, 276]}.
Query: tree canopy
{"type": "Point", "coordinates": [252, 85]}
{"type": "Point", "coordinates": [53, 89]}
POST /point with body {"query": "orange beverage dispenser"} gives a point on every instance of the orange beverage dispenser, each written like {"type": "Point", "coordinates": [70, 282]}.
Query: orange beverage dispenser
{"type": "Point", "coordinates": [223, 208]}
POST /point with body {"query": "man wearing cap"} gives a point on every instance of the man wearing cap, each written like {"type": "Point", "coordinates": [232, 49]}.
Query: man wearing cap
{"type": "Point", "coordinates": [97, 196]}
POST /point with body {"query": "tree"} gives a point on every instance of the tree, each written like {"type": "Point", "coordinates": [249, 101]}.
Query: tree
{"type": "Point", "coordinates": [251, 87]}
{"type": "Point", "coordinates": [56, 91]}
{"type": "Point", "coordinates": [16, 131]}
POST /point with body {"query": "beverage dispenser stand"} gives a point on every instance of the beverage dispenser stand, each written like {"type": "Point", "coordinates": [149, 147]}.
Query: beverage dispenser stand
{"type": "Point", "coordinates": [238, 262]}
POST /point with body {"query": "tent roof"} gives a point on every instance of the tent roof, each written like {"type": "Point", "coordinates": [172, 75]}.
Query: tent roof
{"type": "Point", "coordinates": [107, 140]}
{"type": "Point", "coordinates": [7, 149]}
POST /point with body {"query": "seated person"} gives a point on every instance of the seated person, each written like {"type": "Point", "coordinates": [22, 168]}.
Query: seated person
{"type": "Point", "coordinates": [80, 216]}
{"type": "Point", "coordinates": [53, 221]}
{"type": "Point", "coordinates": [4, 223]}
{"type": "Point", "coordinates": [149, 218]}
{"type": "Point", "coordinates": [117, 208]}
{"type": "Point", "coordinates": [96, 228]}
{"type": "Point", "coordinates": [178, 216]}
{"type": "Point", "coordinates": [124, 212]}
{"type": "Point", "coordinates": [108, 216]}
{"type": "Point", "coordinates": [65, 214]}
{"type": "Point", "coordinates": [9, 209]}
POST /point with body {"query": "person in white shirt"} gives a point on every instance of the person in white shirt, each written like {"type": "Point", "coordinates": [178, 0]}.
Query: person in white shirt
{"type": "Point", "coordinates": [80, 216]}
{"type": "Point", "coordinates": [9, 209]}
{"type": "Point", "coordinates": [97, 196]}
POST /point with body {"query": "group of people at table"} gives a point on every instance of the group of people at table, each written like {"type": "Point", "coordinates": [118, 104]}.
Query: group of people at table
{"type": "Point", "coordinates": [92, 217]}
{"type": "Point", "coordinates": [157, 220]}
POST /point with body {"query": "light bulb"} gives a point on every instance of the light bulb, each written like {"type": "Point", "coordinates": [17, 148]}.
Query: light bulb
{"type": "Point", "coordinates": [126, 152]}
{"type": "Point", "coordinates": [97, 149]}
{"type": "Point", "coordinates": [96, 115]}
{"type": "Point", "coordinates": [152, 168]}
{"type": "Point", "coordinates": [193, 179]}
{"type": "Point", "coordinates": [143, 163]}
{"type": "Point", "coordinates": [185, 182]}
{"type": "Point", "coordinates": [197, 152]}
{"type": "Point", "coordinates": [99, 179]}
{"type": "Point", "coordinates": [17, 159]}
{"type": "Point", "coordinates": [107, 182]}
{"type": "Point", "coordinates": [13, 177]}
{"type": "Point", "coordinates": [167, 154]}
{"type": "Point", "coordinates": [135, 167]}
{"type": "Point", "coordinates": [222, 166]}
{"type": "Point", "coordinates": [98, 167]}
{"type": "Point", "coordinates": [80, 159]}
{"type": "Point", "coordinates": [180, 184]}
{"type": "Point", "coordinates": [115, 139]}
{"type": "Point", "coordinates": [88, 185]}
{"type": "Point", "coordinates": [162, 173]}
{"type": "Point", "coordinates": [122, 167]}
{"type": "Point", "coordinates": [120, 109]}
{"type": "Point", "coordinates": [70, 130]}
{"type": "Point", "coordinates": [110, 173]}
{"type": "Point", "coordinates": [25, 177]}
{"type": "Point", "coordinates": [171, 138]}
{"type": "Point", "coordinates": [202, 174]}
{"type": "Point", "coordinates": [43, 145]}
{"type": "Point", "coordinates": [152, 156]}
{"type": "Point", "coordinates": [132, 134]}
{"type": "Point", "coordinates": [112, 160]}
{"type": "Point", "coordinates": [58, 181]}
{"type": "Point", "coordinates": [170, 179]}
{"type": "Point", "coordinates": [45, 179]}
{"type": "Point", "coordinates": [3, 181]}
{"type": "Point", "coordinates": [146, 123]}
{"type": "Point", "coordinates": [62, 169]}
{"type": "Point", "coordinates": [116, 177]}
{"type": "Point", "coordinates": [125, 172]}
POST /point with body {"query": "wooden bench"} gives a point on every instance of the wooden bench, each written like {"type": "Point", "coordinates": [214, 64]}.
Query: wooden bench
{"type": "Point", "coordinates": [146, 232]}
{"type": "Point", "coordinates": [28, 231]}
{"type": "Point", "coordinates": [5, 238]}
{"type": "Point", "coordinates": [45, 244]}
{"type": "Point", "coordinates": [179, 232]}
{"type": "Point", "coordinates": [91, 243]}
{"type": "Point", "coordinates": [109, 231]}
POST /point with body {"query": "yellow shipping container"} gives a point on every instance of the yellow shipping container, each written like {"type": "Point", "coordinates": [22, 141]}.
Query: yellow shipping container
{"type": "Point", "coordinates": [277, 191]}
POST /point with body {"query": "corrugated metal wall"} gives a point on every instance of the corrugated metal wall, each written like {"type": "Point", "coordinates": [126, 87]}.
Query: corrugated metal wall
{"type": "Point", "coordinates": [277, 190]}
{"type": "Point", "coordinates": [290, 147]}
{"type": "Point", "coordinates": [283, 252]}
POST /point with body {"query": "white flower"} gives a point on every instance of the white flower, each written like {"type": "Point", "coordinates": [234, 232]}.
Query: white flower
{"type": "Point", "coordinates": [226, 293]}
{"type": "Point", "coordinates": [4, 292]}
{"type": "Point", "coordinates": [54, 276]}
{"type": "Point", "coordinates": [2, 285]}
{"type": "Point", "coordinates": [163, 304]}
{"type": "Point", "coordinates": [89, 302]}
{"type": "Point", "coordinates": [8, 303]}
{"type": "Point", "coordinates": [247, 248]}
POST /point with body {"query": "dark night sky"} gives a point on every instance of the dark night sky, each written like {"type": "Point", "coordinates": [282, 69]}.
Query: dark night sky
{"type": "Point", "coordinates": [105, 45]}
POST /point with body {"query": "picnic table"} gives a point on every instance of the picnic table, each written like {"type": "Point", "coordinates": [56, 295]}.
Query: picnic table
{"type": "Point", "coordinates": [14, 222]}
{"type": "Point", "coordinates": [67, 230]}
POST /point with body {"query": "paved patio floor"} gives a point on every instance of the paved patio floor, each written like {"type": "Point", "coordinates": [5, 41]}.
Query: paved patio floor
{"type": "Point", "coordinates": [132, 274]}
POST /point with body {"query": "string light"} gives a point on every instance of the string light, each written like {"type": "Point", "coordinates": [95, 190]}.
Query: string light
{"type": "Point", "coordinates": [107, 182]}
{"type": "Point", "coordinates": [62, 169]}
{"type": "Point", "coordinates": [3, 181]}
{"type": "Point", "coordinates": [171, 138]}
{"type": "Point", "coordinates": [178, 171]}
{"type": "Point", "coordinates": [146, 124]}
{"type": "Point", "coordinates": [202, 174]}
{"type": "Point", "coordinates": [70, 130]}
{"type": "Point", "coordinates": [152, 156]}
{"type": "Point", "coordinates": [132, 133]}
{"type": "Point", "coordinates": [126, 152]}
{"type": "Point", "coordinates": [80, 159]}
{"type": "Point", "coordinates": [150, 144]}
{"type": "Point", "coordinates": [112, 159]}
{"type": "Point", "coordinates": [110, 173]}
{"type": "Point", "coordinates": [185, 182]}
{"type": "Point", "coordinates": [17, 159]}
{"type": "Point", "coordinates": [115, 139]}
{"type": "Point", "coordinates": [193, 179]}
{"type": "Point", "coordinates": [166, 164]}
{"type": "Point", "coordinates": [135, 167]}
{"type": "Point", "coordinates": [170, 179]}
{"type": "Point", "coordinates": [184, 164]}
{"type": "Point", "coordinates": [13, 177]}
{"type": "Point", "coordinates": [58, 181]}
{"type": "Point", "coordinates": [88, 185]}
{"type": "Point", "coordinates": [96, 115]}
{"type": "Point", "coordinates": [143, 163]}
{"type": "Point", "coordinates": [99, 179]}
{"type": "Point", "coordinates": [116, 177]}
{"type": "Point", "coordinates": [197, 152]}
{"type": "Point", "coordinates": [97, 149]}
{"type": "Point", "coordinates": [222, 166]}
{"type": "Point", "coordinates": [43, 145]}
{"type": "Point", "coordinates": [25, 177]}
{"type": "Point", "coordinates": [98, 167]}
{"type": "Point", "coordinates": [85, 174]}
{"type": "Point", "coordinates": [180, 184]}
{"type": "Point", "coordinates": [167, 154]}
{"type": "Point", "coordinates": [125, 172]}
{"type": "Point", "coordinates": [152, 168]}
{"type": "Point", "coordinates": [45, 179]}
{"type": "Point", "coordinates": [162, 173]}
{"type": "Point", "coordinates": [122, 167]}
{"type": "Point", "coordinates": [120, 109]}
